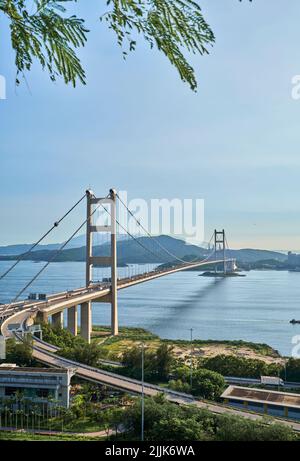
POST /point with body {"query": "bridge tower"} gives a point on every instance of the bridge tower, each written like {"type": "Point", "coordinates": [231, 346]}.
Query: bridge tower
{"type": "Point", "coordinates": [109, 203]}
{"type": "Point", "coordinates": [220, 245]}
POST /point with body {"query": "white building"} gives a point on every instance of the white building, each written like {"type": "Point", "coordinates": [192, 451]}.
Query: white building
{"type": "Point", "coordinates": [40, 385]}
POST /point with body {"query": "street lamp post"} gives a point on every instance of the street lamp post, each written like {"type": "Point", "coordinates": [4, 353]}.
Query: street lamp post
{"type": "Point", "coordinates": [142, 402]}
{"type": "Point", "coordinates": [285, 370]}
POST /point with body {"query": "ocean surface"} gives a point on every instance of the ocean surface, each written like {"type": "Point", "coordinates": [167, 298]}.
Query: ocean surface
{"type": "Point", "coordinates": [256, 308]}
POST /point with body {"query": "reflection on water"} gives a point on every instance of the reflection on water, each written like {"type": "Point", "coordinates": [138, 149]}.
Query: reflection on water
{"type": "Point", "coordinates": [257, 307]}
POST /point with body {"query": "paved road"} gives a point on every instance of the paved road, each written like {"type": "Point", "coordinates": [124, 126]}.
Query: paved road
{"type": "Point", "coordinates": [249, 381]}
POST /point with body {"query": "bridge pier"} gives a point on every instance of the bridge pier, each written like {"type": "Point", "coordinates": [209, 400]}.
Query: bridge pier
{"type": "Point", "coordinates": [42, 317]}
{"type": "Point", "coordinates": [72, 320]}
{"type": "Point", "coordinates": [58, 320]}
{"type": "Point", "coordinates": [86, 321]}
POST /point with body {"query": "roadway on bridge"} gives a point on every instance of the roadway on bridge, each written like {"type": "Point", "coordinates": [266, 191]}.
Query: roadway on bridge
{"type": "Point", "coordinates": [60, 301]}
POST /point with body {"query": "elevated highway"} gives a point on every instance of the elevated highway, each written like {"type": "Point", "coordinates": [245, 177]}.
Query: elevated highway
{"type": "Point", "coordinates": [101, 292]}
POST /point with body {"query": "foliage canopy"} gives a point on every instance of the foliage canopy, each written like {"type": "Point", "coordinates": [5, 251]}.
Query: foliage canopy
{"type": "Point", "coordinates": [51, 36]}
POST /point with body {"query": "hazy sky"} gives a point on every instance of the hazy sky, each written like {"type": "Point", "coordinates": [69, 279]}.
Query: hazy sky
{"type": "Point", "coordinates": [137, 127]}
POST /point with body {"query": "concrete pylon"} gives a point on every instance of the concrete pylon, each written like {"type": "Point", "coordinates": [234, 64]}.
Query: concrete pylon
{"type": "Point", "coordinates": [72, 320]}
{"type": "Point", "coordinates": [111, 260]}
{"type": "Point", "coordinates": [114, 268]}
{"type": "Point", "coordinates": [86, 321]}
{"type": "Point", "coordinates": [42, 317]}
{"type": "Point", "coordinates": [58, 320]}
{"type": "Point", "coordinates": [220, 239]}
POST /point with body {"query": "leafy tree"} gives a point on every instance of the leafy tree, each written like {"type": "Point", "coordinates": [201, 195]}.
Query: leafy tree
{"type": "Point", "coordinates": [132, 359]}
{"type": "Point", "coordinates": [20, 353]}
{"type": "Point", "coordinates": [86, 353]}
{"type": "Point", "coordinates": [167, 421]}
{"type": "Point", "coordinates": [181, 372]}
{"type": "Point", "coordinates": [163, 360]}
{"type": "Point", "coordinates": [230, 365]}
{"type": "Point", "coordinates": [242, 429]}
{"type": "Point", "coordinates": [174, 429]}
{"type": "Point", "coordinates": [78, 404]}
{"type": "Point", "coordinates": [46, 35]}
{"type": "Point", "coordinates": [116, 418]}
{"type": "Point", "coordinates": [157, 364]}
{"type": "Point", "coordinates": [208, 384]}
{"type": "Point", "coordinates": [292, 370]}
{"type": "Point", "coordinates": [51, 36]}
{"type": "Point", "coordinates": [60, 337]}
{"type": "Point", "coordinates": [180, 386]}
{"type": "Point", "coordinates": [205, 383]}
{"type": "Point", "coordinates": [155, 409]}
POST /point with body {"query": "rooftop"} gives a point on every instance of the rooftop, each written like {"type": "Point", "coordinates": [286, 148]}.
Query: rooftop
{"type": "Point", "coordinates": [262, 396]}
{"type": "Point", "coordinates": [13, 368]}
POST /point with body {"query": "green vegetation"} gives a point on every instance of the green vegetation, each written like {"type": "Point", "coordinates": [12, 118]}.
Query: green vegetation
{"type": "Point", "coordinates": [157, 364]}
{"type": "Point", "coordinates": [114, 347]}
{"type": "Point", "coordinates": [93, 409]}
{"type": "Point", "coordinates": [19, 353]}
{"type": "Point", "coordinates": [292, 370]}
{"type": "Point", "coordinates": [230, 365]}
{"type": "Point", "coordinates": [60, 337]}
{"type": "Point", "coordinates": [47, 34]}
{"type": "Point", "coordinates": [161, 365]}
{"type": "Point", "coordinates": [166, 421]}
{"type": "Point", "coordinates": [163, 421]}
{"type": "Point", "coordinates": [206, 384]}
{"type": "Point", "coordinates": [264, 264]}
{"type": "Point", "coordinates": [88, 354]}
{"type": "Point", "coordinates": [72, 347]}
{"type": "Point", "coordinates": [29, 437]}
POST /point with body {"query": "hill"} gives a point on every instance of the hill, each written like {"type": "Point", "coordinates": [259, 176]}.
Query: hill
{"type": "Point", "coordinates": [130, 251]}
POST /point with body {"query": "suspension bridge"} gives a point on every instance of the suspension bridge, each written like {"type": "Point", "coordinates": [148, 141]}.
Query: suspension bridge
{"type": "Point", "coordinates": [17, 316]}
{"type": "Point", "coordinates": [105, 291]}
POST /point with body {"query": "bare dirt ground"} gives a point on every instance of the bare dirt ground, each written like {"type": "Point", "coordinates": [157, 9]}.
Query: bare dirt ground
{"type": "Point", "coordinates": [114, 348]}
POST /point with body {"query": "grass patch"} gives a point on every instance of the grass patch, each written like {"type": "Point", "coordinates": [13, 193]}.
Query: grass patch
{"type": "Point", "coordinates": [29, 437]}
{"type": "Point", "coordinates": [79, 425]}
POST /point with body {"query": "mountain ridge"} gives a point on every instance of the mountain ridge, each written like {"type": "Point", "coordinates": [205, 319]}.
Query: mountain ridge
{"type": "Point", "coordinates": [133, 251]}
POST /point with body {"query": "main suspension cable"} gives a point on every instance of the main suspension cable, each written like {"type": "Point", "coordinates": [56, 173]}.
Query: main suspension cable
{"type": "Point", "coordinates": [152, 237]}
{"type": "Point", "coordinates": [52, 258]}
{"type": "Point", "coordinates": [128, 233]}
{"type": "Point", "coordinates": [56, 224]}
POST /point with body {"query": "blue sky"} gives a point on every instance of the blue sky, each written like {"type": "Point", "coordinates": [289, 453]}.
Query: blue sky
{"type": "Point", "coordinates": [137, 127]}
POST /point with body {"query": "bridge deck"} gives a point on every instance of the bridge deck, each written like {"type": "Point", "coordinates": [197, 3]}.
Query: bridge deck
{"type": "Point", "coordinates": [59, 301]}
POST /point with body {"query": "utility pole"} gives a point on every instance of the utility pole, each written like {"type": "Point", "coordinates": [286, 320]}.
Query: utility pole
{"type": "Point", "coordinates": [191, 370]}
{"type": "Point", "coordinates": [143, 397]}
{"type": "Point", "coordinates": [285, 370]}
